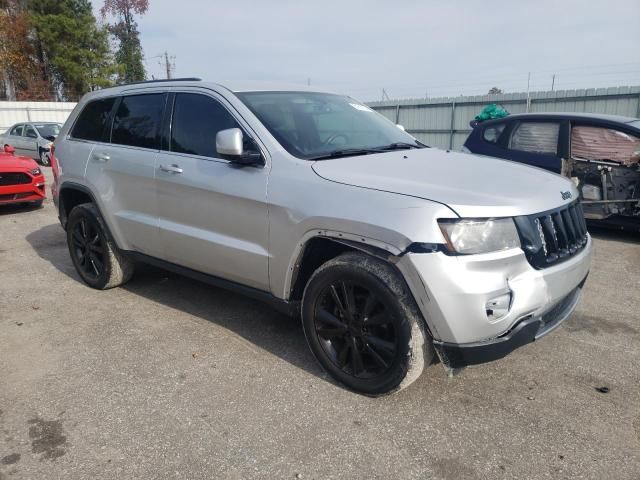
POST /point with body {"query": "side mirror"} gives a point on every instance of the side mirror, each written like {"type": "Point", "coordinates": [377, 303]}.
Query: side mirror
{"type": "Point", "coordinates": [230, 145]}
{"type": "Point", "coordinates": [9, 149]}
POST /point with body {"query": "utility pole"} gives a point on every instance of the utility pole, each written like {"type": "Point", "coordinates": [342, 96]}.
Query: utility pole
{"type": "Point", "coordinates": [528, 97]}
{"type": "Point", "coordinates": [168, 63]}
{"type": "Point", "coordinates": [553, 81]}
{"type": "Point", "coordinates": [384, 95]}
{"type": "Point", "coordinates": [308, 81]}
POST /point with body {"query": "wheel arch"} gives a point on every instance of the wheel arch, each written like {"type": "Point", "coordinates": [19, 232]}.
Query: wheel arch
{"type": "Point", "coordinates": [322, 246]}
{"type": "Point", "coordinates": [73, 194]}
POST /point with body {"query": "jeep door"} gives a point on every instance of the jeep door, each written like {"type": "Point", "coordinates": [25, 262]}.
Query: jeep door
{"type": "Point", "coordinates": [213, 213]}
{"type": "Point", "coordinates": [122, 170]}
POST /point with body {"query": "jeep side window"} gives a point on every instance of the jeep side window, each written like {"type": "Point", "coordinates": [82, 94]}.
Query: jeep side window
{"type": "Point", "coordinates": [536, 137]}
{"type": "Point", "coordinates": [137, 120]}
{"type": "Point", "coordinates": [599, 143]}
{"type": "Point", "coordinates": [196, 121]}
{"type": "Point", "coordinates": [92, 123]}
{"type": "Point", "coordinates": [492, 133]}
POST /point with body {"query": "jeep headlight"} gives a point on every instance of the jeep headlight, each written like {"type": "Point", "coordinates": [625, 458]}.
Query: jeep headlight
{"type": "Point", "coordinates": [468, 236]}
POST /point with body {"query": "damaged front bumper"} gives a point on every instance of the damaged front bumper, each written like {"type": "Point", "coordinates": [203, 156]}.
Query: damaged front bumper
{"type": "Point", "coordinates": [527, 330]}
{"type": "Point", "coordinates": [479, 308]}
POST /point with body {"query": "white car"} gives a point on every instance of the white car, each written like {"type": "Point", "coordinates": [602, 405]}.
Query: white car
{"type": "Point", "coordinates": [32, 139]}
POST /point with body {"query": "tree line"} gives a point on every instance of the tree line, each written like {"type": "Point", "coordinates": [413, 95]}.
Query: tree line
{"type": "Point", "coordinates": [58, 50]}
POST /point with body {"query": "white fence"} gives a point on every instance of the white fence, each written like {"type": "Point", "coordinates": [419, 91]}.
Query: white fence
{"type": "Point", "coordinates": [16, 112]}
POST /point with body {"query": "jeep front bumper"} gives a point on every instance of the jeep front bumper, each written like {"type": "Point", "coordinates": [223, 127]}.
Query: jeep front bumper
{"type": "Point", "coordinates": [456, 294]}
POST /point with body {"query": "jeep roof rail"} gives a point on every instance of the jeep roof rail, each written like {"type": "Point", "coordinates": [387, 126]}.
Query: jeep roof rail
{"type": "Point", "coordinates": [186, 79]}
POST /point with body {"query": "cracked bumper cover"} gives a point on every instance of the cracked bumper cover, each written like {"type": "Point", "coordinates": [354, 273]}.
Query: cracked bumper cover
{"type": "Point", "coordinates": [525, 331]}
{"type": "Point", "coordinates": [452, 293]}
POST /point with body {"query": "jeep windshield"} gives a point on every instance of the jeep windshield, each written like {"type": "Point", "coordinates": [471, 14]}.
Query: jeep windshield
{"type": "Point", "coordinates": [319, 126]}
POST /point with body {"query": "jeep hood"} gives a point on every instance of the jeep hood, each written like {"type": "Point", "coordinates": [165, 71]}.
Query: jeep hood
{"type": "Point", "coordinates": [471, 185]}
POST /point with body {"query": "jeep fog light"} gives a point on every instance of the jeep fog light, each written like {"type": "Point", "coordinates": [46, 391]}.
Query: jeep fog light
{"type": "Point", "coordinates": [498, 307]}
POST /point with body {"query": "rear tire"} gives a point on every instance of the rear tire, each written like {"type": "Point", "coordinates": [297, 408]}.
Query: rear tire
{"type": "Point", "coordinates": [363, 326]}
{"type": "Point", "coordinates": [94, 253]}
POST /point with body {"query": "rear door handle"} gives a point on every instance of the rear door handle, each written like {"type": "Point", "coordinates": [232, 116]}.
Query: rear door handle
{"type": "Point", "coordinates": [101, 157]}
{"type": "Point", "coordinates": [171, 168]}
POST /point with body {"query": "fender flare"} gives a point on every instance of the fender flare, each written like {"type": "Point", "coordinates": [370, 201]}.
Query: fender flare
{"type": "Point", "coordinates": [73, 186]}
{"type": "Point", "coordinates": [379, 249]}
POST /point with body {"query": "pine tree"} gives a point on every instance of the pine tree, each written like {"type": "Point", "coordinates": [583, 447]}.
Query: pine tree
{"type": "Point", "coordinates": [73, 51]}
{"type": "Point", "coordinates": [129, 54]}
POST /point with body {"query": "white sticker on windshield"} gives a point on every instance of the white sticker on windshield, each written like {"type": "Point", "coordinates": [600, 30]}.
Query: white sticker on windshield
{"type": "Point", "coordinates": [363, 108]}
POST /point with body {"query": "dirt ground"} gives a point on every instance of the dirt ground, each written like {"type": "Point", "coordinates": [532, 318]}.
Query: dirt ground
{"type": "Point", "coordinates": [170, 378]}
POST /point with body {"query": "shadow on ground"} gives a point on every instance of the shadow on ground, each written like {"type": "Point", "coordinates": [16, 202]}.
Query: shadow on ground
{"type": "Point", "coordinates": [10, 209]}
{"type": "Point", "coordinates": [616, 235]}
{"type": "Point", "coordinates": [254, 321]}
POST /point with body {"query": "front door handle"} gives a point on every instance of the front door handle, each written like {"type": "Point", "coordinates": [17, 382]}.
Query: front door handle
{"type": "Point", "coordinates": [101, 157]}
{"type": "Point", "coordinates": [171, 168]}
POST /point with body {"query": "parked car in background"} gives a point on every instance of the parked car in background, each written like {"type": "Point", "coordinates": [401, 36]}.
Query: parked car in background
{"type": "Point", "coordinates": [21, 180]}
{"type": "Point", "coordinates": [601, 153]}
{"type": "Point", "coordinates": [32, 139]}
{"type": "Point", "coordinates": [391, 252]}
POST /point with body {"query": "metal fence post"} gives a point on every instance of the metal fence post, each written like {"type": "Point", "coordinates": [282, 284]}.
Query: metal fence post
{"type": "Point", "coordinates": [28, 114]}
{"type": "Point", "coordinates": [452, 124]}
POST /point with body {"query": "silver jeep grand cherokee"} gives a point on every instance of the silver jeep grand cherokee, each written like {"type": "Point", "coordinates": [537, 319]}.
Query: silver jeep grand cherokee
{"type": "Point", "coordinates": [393, 253]}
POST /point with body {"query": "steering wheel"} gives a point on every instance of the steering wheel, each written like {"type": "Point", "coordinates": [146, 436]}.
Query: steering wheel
{"type": "Point", "coordinates": [330, 139]}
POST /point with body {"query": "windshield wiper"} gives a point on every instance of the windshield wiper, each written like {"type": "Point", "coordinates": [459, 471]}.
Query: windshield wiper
{"type": "Point", "coordinates": [346, 152]}
{"type": "Point", "coordinates": [399, 146]}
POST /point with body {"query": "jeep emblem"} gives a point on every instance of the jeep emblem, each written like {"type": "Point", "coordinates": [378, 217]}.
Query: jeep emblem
{"type": "Point", "coordinates": [565, 195]}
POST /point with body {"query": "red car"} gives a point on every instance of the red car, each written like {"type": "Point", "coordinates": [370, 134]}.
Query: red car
{"type": "Point", "coordinates": [21, 180]}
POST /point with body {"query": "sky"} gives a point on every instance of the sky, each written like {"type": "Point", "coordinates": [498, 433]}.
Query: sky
{"type": "Point", "coordinates": [409, 48]}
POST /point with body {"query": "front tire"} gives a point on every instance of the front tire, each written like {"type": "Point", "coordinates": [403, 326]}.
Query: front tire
{"type": "Point", "coordinates": [94, 253]}
{"type": "Point", "coordinates": [363, 326]}
{"type": "Point", "coordinates": [44, 158]}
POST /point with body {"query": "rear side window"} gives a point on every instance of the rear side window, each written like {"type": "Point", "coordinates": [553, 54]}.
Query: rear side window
{"type": "Point", "coordinates": [17, 130]}
{"type": "Point", "coordinates": [492, 133]}
{"type": "Point", "coordinates": [536, 137]}
{"type": "Point", "coordinates": [92, 123]}
{"type": "Point", "coordinates": [137, 120]}
{"type": "Point", "coordinates": [196, 121]}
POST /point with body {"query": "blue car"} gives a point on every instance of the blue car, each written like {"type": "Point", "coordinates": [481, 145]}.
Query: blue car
{"type": "Point", "coordinates": [600, 153]}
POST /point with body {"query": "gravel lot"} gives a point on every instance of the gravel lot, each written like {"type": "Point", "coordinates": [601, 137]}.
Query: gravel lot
{"type": "Point", "coordinates": [170, 378]}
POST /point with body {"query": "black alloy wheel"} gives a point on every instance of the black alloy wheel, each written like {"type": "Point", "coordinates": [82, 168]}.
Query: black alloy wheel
{"type": "Point", "coordinates": [363, 325]}
{"type": "Point", "coordinates": [356, 329]}
{"type": "Point", "coordinates": [88, 248]}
